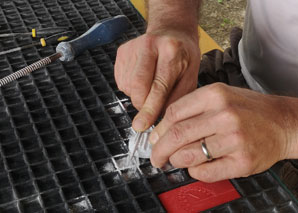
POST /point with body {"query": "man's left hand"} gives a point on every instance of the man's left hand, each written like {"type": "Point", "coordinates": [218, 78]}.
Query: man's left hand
{"type": "Point", "coordinates": [246, 132]}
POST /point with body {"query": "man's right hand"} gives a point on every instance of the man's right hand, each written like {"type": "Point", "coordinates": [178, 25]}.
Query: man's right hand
{"type": "Point", "coordinates": [155, 70]}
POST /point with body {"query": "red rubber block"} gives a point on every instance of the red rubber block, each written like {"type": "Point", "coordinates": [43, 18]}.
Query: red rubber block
{"type": "Point", "coordinates": [198, 196]}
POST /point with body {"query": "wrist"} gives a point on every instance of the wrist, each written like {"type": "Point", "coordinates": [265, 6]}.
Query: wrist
{"type": "Point", "coordinates": [289, 113]}
{"type": "Point", "coordinates": [173, 16]}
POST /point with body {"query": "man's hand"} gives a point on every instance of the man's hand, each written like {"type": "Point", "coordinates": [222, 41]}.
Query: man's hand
{"type": "Point", "coordinates": [156, 69]}
{"type": "Point", "coordinates": [246, 132]}
{"type": "Point", "coordinates": [162, 65]}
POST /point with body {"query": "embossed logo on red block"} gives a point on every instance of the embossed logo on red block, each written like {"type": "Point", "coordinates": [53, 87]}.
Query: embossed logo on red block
{"type": "Point", "coordinates": [198, 196]}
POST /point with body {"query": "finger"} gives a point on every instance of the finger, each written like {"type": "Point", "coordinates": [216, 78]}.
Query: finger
{"type": "Point", "coordinates": [192, 154]}
{"type": "Point", "coordinates": [180, 135]}
{"type": "Point", "coordinates": [142, 76]}
{"type": "Point", "coordinates": [167, 73]}
{"type": "Point", "coordinates": [217, 170]}
{"type": "Point", "coordinates": [201, 100]}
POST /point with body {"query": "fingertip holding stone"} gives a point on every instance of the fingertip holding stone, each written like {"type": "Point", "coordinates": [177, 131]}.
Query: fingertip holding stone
{"type": "Point", "coordinates": [153, 138]}
{"type": "Point", "coordinates": [139, 125]}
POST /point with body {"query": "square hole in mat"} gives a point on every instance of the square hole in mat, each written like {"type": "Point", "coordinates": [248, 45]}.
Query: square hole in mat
{"type": "Point", "coordinates": [110, 136]}
{"type": "Point", "coordinates": [259, 201]}
{"type": "Point", "coordinates": [51, 198]}
{"type": "Point", "coordinates": [126, 207]}
{"type": "Point", "coordinates": [85, 92]}
{"type": "Point", "coordinates": [176, 177]}
{"type": "Point", "coordinates": [6, 123]}
{"type": "Point", "coordinates": [36, 157]}
{"type": "Point", "coordinates": [41, 170]}
{"type": "Point", "coordinates": [25, 190]}
{"type": "Point", "coordinates": [91, 102]}
{"type": "Point", "coordinates": [78, 159]}
{"type": "Point", "coordinates": [85, 129]}
{"type": "Point", "coordinates": [241, 204]}
{"type": "Point", "coordinates": [119, 193]}
{"type": "Point", "coordinates": [118, 148]}
{"type": "Point", "coordinates": [101, 203]}
{"type": "Point", "coordinates": [98, 153]}
{"type": "Point", "coordinates": [29, 144]}
{"type": "Point", "coordinates": [71, 192]}
{"type": "Point", "coordinates": [277, 195]}
{"type": "Point", "coordinates": [265, 180]}
{"type": "Point", "coordinates": [57, 111]}
{"type": "Point", "coordinates": [247, 186]}
{"type": "Point", "coordinates": [130, 174]}
{"type": "Point", "coordinates": [138, 187]}
{"type": "Point", "coordinates": [112, 179]}
{"type": "Point", "coordinates": [67, 177]}
{"type": "Point", "coordinates": [9, 208]}
{"type": "Point", "coordinates": [157, 183]}
{"type": "Point", "coordinates": [91, 185]}
{"type": "Point", "coordinates": [147, 202]}
{"type": "Point", "coordinates": [74, 107]}
{"type": "Point", "coordinates": [17, 109]}
{"type": "Point", "coordinates": [21, 120]}
{"type": "Point", "coordinates": [103, 124]}
{"type": "Point", "coordinates": [20, 175]}
{"type": "Point", "coordinates": [50, 139]}
{"type": "Point", "coordinates": [26, 131]}
{"type": "Point", "coordinates": [62, 122]}
{"type": "Point", "coordinates": [15, 162]}
{"type": "Point", "coordinates": [4, 181]}
{"type": "Point", "coordinates": [97, 113]}
{"type": "Point", "coordinates": [93, 140]}
{"type": "Point", "coordinates": [34, 105]}
{"type": "Point", "coordinates": [80, 117]}
{"type": "Point", "coordinates": [6, 195]}
{"type": "Point", "coordinates": [85, 172]}
{"type": "Point", "coordinates": [60, 164]}
{"type": "Point", "coordinates": [67, 134]}
{"type": "Point", "coordinates": [120, 121]}
{"type": "Point", "coordinates": [126, 132]}
{"type": "Point", "coordinates": [8, 136]}
{"type": "Point", "coordinates": [148, 170]}
{"type": "Point", "coordinates": [11, 149]}
{"type": "Point", "coordinates": [58, 208]}
{"type": "Point", "coordinates": [30, 205]}
{"type": "Point", "coordinates": [55, 151]}
{"type": "Point", "coordinates": [114, 110]}
{"type": "Point", "coordinates": [288, 208]}
{"type": "Point", "coordinates": [44, 127]}
{"type": "Point", "coordinates": [73, 146]}
{"type": "Point", "coordinates": [105, 166]}
{"type": "Point", "coordinates": [39, 115]}
{"type": "Point", "coordinates": [80, 205]}
{"type": "Point", "coordinates": [46, 183]}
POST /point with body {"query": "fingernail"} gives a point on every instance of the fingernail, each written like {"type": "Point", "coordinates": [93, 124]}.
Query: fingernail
{"type": "Point", "coordinates": [139, 124]}
{"type": "Point", "coordinates": [153, 138]}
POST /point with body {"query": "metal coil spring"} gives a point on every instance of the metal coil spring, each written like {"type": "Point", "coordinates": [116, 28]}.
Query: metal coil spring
{"type": "Point", "coordinates": [25, 71]}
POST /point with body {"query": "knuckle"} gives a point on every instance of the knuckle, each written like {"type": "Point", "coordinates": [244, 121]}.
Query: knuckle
{"type": "Point", "coordinates": [172, 113]}
{"type": "Point", "coordinates": [160, 86]}
{"type": "Point", "coordinates": [218, 92]}
{"type": "Point", "coordinates": [231, 116]}
{"type": "Point", "coordinates": [176, 134]}
{"type": "Point", "coordinates": [187, 157]}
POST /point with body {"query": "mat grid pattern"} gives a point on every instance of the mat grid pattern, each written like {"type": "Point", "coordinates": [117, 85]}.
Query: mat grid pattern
{"type": "Point", "coordinates": [64, 129]}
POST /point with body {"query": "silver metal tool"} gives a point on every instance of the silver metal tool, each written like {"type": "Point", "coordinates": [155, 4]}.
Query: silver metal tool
{"type": "Point", "coordinates": [103, 32]}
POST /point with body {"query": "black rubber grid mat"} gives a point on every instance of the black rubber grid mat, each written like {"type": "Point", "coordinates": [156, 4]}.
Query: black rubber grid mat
{"type": "Point", "coordinates": [64, 129]}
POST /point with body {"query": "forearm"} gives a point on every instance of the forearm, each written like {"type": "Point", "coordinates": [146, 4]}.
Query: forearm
{"type": "Point", "coordinates": [179, 15]}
